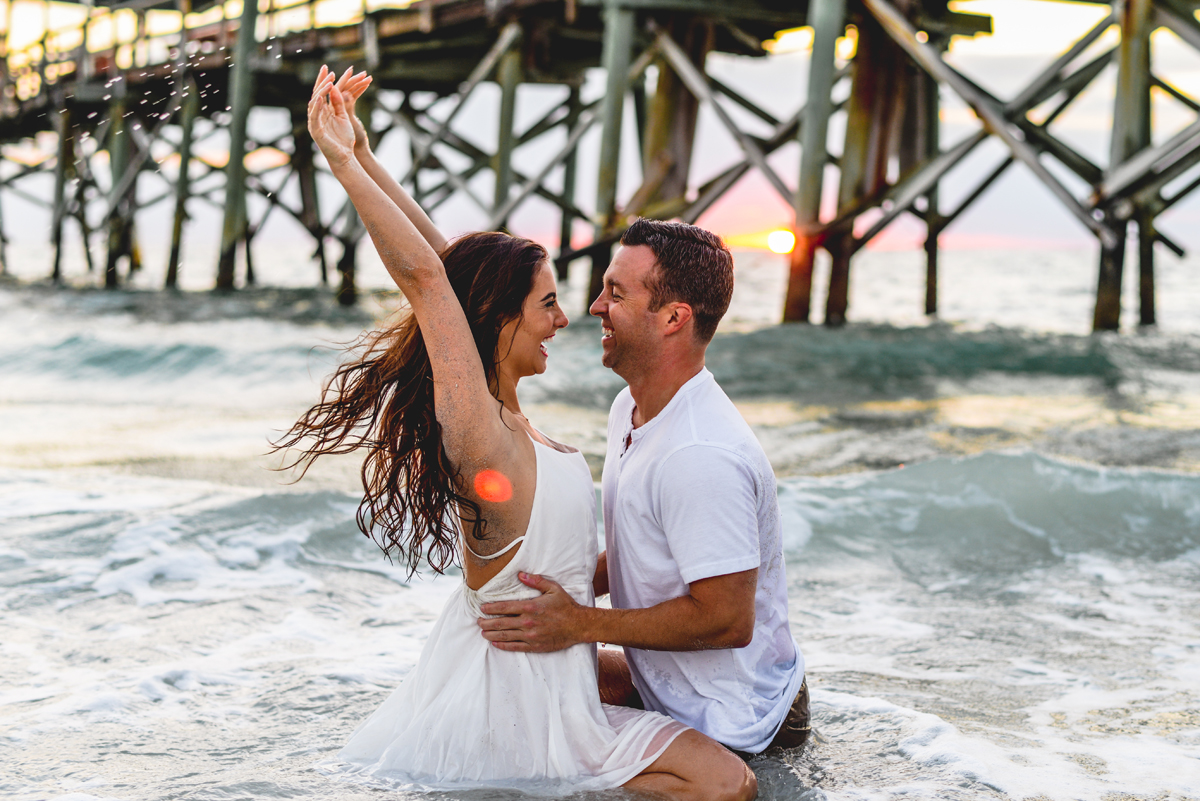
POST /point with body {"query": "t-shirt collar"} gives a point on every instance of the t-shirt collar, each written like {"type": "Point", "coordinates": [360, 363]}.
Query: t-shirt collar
{"type": "Point", "coordinates": [693, 383]}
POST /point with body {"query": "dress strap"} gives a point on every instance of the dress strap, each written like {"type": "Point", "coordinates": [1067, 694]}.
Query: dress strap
{"type": "Point", "coordinates": [498, 553]}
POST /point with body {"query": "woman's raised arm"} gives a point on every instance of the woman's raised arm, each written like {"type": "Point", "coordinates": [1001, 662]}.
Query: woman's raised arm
{"type": "Point", "coordinates": [352, 85]}
{"type": "Point", "coordinates": [471, 428]}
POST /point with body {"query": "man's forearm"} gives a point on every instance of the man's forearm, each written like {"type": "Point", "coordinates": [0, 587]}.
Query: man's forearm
{"type": "Point", "coordinates": [714, 613]}
{"type": "Point", "coordinates": [680, 624]}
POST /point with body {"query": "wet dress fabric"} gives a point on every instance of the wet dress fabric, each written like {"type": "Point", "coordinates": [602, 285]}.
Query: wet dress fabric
{"type": "Point", "coordinates": [471, 714]}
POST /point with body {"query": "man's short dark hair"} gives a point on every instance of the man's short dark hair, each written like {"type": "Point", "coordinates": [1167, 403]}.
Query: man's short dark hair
{"type": "Point", "coordinates": [694, 267]}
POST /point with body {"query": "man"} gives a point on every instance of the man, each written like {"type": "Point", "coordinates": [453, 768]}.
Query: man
{"type": "Point", "coordinates": [694, 557]}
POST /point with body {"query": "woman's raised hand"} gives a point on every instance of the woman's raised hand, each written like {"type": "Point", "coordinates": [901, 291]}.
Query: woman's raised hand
{"type": "Point", "coordinates": [328, 120]}
{"type": "Point", "coordinates": [352, 86]}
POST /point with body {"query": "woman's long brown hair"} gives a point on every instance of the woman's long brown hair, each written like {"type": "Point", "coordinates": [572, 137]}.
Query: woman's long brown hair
{"type": "Point", "coordinates": [382, 401]}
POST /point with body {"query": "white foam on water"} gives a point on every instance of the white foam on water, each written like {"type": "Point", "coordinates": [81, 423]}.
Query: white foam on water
{"type": "Point", "coordinates": [215, 619]}
{"type": "Point", "coordinates": [922, 756]}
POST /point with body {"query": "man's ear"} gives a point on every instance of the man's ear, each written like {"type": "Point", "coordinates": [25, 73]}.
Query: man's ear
{"type": "Point", "coordinates": [677, 317]}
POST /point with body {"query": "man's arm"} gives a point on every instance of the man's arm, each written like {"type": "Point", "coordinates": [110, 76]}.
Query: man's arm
{"type": "Point", "coordinates": [716, 612]}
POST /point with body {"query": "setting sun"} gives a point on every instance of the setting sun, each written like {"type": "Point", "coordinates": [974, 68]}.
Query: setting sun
{"type": "Point", "coordinates": [781, 241]}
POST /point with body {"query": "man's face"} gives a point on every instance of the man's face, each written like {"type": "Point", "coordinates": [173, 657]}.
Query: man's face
{"type": "Point", "coordinates": [631, 335]}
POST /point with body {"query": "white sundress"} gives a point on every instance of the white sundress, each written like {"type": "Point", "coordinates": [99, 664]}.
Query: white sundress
{"type": "Point", "coordinates": [471, 714]}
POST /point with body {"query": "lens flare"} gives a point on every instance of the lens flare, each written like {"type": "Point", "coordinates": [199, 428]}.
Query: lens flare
{"type": "Point", "coordinates": [781, 241]}
{"type": "Point", "coordinates": [493, 486]}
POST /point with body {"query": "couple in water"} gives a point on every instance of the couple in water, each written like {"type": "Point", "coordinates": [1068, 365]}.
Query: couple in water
{"type": "Point", "coordinates": [510, 689]}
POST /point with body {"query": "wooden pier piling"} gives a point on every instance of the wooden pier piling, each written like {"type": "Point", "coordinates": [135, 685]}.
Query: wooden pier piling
{"type": "Point", "coordinates": [187, 124]}
{"type": "Point", "coordinates": [241, 89]}
{"type": "Point", "coordinates": [828, 24]}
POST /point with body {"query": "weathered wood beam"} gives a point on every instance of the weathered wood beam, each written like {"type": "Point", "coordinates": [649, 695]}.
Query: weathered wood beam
{"type": "Point", "coordinates": [1152, 160]}
{"type": "Point", "coordinates": [904, 194]}
{"type": "Point", "coordinates": [712, 190]}
{"type": "Point", "coordinates": [567, 220]}
{"type": "Point", "coordinates": [1180, 19]}
{"type": "Point", "coordinates": [748, 105]}
{"type": "Point", "coordinates": [904, 34]}
{"type": "Point", "coordinates": [241, 97]}
{"type": "Point", "coordinates": [829, 22]}
{"type": "Point", "coordinates": [1174, 92]}
{"type": "Point", "coordinates": [508, 37]}
{"type": "Point", "coordinates": [508, 75]}
{"type": "Point", "coordinates": [615, 58]}
{"type": "Point", "coordinates": [787, 16]}
{"type": "Point", "coordinates": [586, 120]}
{"type": "Point", "coordinates": [1130, 136]}
{"type": "Point", "coordinates": [64, 170]}
{"type": "Point", "coordinates": [118, 158]}
{"type": "Point", "coordinates": [670, 125]}
{"type": "Point", "coordinates": [697, 84]}
{"type": "Point", "coordinates": [869, 125]}
{"type": "Point", "coordinates": [310, 207]}
{"type": "Point", "coordinates": [425, 142]}
{"type": "Point", "coordinates": [187, 122]}
{"type": "Point", "coordinates": [976, 193]}
{"type": "Point", "coordinates": [1046, 83]}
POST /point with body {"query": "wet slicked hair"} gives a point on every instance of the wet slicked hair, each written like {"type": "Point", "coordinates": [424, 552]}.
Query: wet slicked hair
{"type": "Point", "coordinates": [694, 267]}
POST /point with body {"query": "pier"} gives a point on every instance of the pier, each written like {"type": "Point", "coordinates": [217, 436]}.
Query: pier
{"type": "Point", "coordinates": [129, 89]}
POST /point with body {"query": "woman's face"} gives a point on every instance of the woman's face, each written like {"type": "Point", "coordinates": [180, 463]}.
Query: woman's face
{"type": "Point", "coordinates": [521, 349]}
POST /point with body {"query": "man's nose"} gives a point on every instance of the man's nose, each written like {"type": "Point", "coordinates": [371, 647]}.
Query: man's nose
{"type": "Point", "coordinates": [598, 306]}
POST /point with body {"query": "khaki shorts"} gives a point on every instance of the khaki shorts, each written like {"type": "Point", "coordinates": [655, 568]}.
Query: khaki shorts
{"type": "Point", "coordinates": [796, 725]}
{"type": "Point", "coordinates": [792, 734]}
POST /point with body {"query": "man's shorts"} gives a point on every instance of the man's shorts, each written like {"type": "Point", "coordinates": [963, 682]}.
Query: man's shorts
{"type": "Point", "coordinates": [792, 734]}
{"type": "Point", "coordinates": [796, 725]}
{"type": "Point", "coordinates": [795, 729]}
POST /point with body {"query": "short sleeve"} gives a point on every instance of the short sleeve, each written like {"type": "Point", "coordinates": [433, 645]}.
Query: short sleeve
{"type": "Point", "coordinates": [708, 509]}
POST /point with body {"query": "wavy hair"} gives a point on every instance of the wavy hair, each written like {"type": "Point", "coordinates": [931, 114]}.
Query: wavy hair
{"type": "Point", "coordinates": [381, 400]}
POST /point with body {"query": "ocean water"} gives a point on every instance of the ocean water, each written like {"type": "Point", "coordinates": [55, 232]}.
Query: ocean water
{"type": "Point", "coordinates": [992, 531]}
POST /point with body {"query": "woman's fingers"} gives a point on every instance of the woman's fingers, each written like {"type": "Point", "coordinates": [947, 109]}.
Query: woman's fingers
{"type": "Point", "coordinates": [320, 88]}
{"type": "Point", "coordinates": [321, 76]}
{"type": "Point", "coordinates": [339, 104]}
{"type": "Point", "coordinates": [355, 90]}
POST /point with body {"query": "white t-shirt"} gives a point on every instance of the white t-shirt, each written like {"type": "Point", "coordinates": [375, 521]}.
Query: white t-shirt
{"type": "Point", "coordinates": [692, 497]}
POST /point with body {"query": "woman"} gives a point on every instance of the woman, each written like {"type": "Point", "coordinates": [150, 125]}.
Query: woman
{"type": "Point", "coordinates": [451, 460]}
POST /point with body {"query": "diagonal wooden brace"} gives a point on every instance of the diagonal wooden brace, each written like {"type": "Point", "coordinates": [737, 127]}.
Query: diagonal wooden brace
{"type": "Point", "coordinates": [698, 86]}
{"type": "Point", "coordinates": [902, 32]}
{"type": "Point", "coordinates": [508, 37]}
